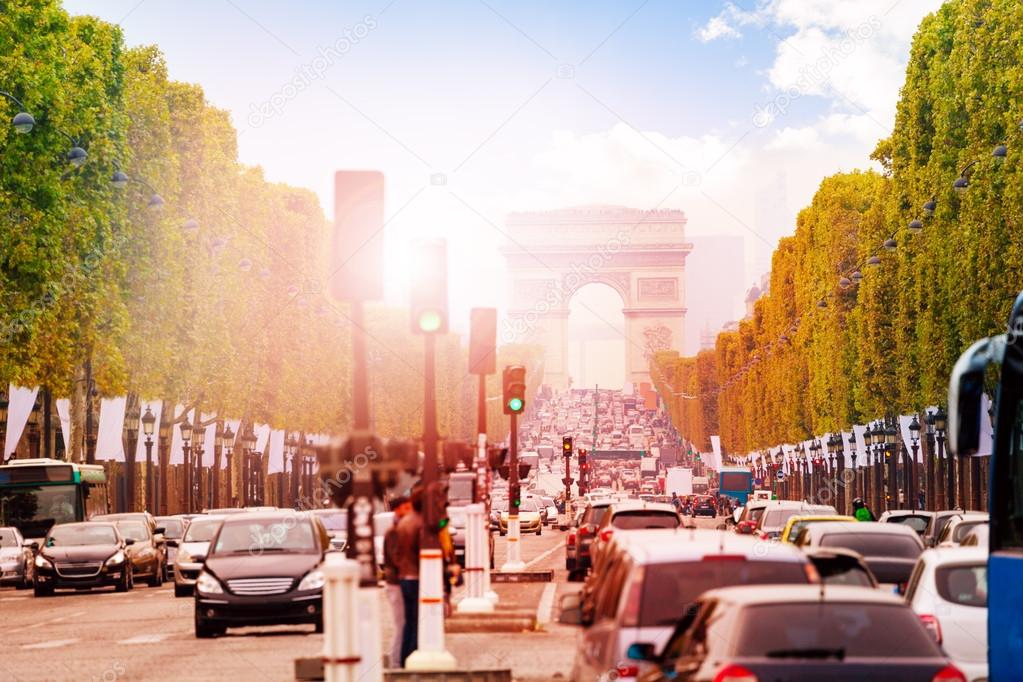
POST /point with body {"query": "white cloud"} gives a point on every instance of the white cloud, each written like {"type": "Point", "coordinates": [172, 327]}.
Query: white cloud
{"type": "Point", "coordinates": [717, 27]}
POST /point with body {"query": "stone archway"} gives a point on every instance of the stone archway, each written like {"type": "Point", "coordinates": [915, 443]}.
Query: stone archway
{"type": "Point", "coordinates": [640, 254]}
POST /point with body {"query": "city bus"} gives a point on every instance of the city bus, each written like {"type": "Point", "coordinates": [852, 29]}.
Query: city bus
{"type": "Point", "coordinates": [37, 493]}
{"type": "Point", "coordinates": [735, 482]}
{"type": "Point", "coordinates": [995, 366]}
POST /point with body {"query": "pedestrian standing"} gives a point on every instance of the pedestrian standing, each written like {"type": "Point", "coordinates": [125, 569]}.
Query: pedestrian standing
{"type": "Point", "coordinates": [392, 579]}
{"type": "Point", "coordinates": [408, 533]}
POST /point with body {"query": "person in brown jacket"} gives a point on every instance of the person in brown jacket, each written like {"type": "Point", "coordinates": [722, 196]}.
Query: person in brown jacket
{"type": "Point", "coordinates": [392, 589]}
{"type": "Point", "coordinates": [407, 534]}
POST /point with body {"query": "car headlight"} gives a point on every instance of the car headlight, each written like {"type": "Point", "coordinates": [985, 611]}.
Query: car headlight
{"type": "Point", "coordinates": [313, 580]}
{"type": "Point", "coordinates": [208, 584]}
{"type": "Point", "coordinates": [42, 562]}
{"type": "Point", "coordinates": [116, 559]}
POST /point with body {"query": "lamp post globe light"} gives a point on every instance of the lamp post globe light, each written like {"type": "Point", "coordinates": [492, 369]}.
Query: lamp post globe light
{"type": "Point", "coordinates": [912, 489]}
{"type": "Point", "coordinates": [229, 468]}
{"type": "Point", "coordinates": [940, 422]}
{"type": "Point", "coordinates": [933, 467]}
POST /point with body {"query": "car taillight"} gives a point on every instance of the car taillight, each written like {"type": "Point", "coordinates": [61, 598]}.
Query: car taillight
{"type": "Point", "coordinates": [932, 626]}
{"type": "Point", "coordinates": [627, 670]}
{"type": "Point", "coordinates": [606, 534]}
{"type": "Point", "coordinates": [571, 540]}
{"type": "Point", "coordinates": [584, 531]}
{"type": "Point", "coordinates": [630, 614]}
{"type": "Point", "coordinates": [735, 673]}
{"type": "Point", "coordinates": [949, 673]}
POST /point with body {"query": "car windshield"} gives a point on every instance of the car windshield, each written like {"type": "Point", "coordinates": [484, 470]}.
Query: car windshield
{"type": "Point", "coordinates": [77, 536]}
{"type": "Point", "coordinates": [754, 513]}
{"type": "Point", "coordinates": [202, 530]}
{"type": "Point", "coordinates": [855, 630]}
{"type": "Point", "coordinates": [965, 585]}
{"type": "Point", "coordinates": [940, 523]}
{"type": "Point", "coordinates": [334, 520]}
{"type": "Point", "coordinates": [875, 544]}
{"type": "Point", "coordinates": [964, 529]}
{"type": "Point", "coordinates": [776, 518]}
{"type": "Point", "coordinates": [172, 528]}
{"type": "Point", "coordinates": [842, 571]}
{"type": "Point", "coordinates": [917, 523]}
{"type": "Point", "coordinates": [256, 537]}
{"type": "Point", "coordinates": [527, 506]}
{"type": "Point", "coordinates": [134, 530]}
{"type": "Point", "coordinates": [633, 520]}
{"type": "Point", "coordinates": [669, 588]}
{"type": "Point", "coordinates": [7, 538]}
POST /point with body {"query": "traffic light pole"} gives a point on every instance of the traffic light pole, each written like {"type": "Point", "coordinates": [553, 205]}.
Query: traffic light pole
{"type": "Point", "coordinates": [430, 653]}
{"type": "Point", "coordinates": [514, 561]}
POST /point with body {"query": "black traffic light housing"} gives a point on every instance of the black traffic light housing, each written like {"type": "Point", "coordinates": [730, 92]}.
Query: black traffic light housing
{"type": "Point", "coordinates": [514, 389]}
{"type": "Point", "coordinates": [430, 289]}
{"type": "Point", "coordinates": [566, 445]}
{"type": "Point", "coordinates": [496, 457]}
{"type": "Point", "coordinates": [504, 471]}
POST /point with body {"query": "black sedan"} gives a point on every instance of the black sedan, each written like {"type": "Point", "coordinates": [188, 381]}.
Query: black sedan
{"type": "Point", "coordinates": [262, 569]}
{"type": "Point", "coordinates": [704, 506]}
{"type": "Point", "coordinates": [81, 556]}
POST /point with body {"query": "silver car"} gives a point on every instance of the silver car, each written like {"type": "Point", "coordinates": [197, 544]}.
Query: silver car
{"type": "Point", "coordinates": [15, 559]}
{"type": "Point", "coordinates": [192, 550]}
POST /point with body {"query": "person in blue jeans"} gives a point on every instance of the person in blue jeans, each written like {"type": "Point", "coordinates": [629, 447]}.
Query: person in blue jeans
{"type": "Point", "coordinates": [406, 556]}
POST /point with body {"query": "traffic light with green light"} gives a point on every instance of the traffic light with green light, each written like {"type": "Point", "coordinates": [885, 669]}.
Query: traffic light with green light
{"type": "Point", "coordinates": [430, 289]}
{"type": "Point", "coordinates": [514, 385]}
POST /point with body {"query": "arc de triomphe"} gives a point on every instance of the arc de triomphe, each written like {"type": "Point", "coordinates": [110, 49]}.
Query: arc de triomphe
{"type": "Point", "coordinates": [640, 254]}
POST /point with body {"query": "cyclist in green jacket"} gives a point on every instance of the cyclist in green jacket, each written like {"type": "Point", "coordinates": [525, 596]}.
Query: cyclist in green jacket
{"type": "Point", "coordinates": [861, 512]}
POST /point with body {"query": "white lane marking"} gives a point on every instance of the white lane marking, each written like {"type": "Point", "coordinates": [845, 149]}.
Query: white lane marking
{"type": "Point", "coordinates": [546, 554]}
{"type": "Point", "coordinates": [52, 644]}
{"type": "Point", "coordinates": [15, 598]}
{"type": "Point", "coordinates": [146, 639]}
{"type": "Point", "coordinates": [546, 606]}
{"type": "Point", "coordinates": [44, 623]}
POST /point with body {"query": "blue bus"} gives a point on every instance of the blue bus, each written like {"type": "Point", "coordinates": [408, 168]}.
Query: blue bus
{"type": "Point", "coordinates": [735, 482]}
{"type": "Point", "coordinates": [37, 493]}
{"type": "Point", "coordinates": [996, 365]}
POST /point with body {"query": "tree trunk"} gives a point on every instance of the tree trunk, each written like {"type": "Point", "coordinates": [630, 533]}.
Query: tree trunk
{"type": "Point", "coordinates": [80, 385]}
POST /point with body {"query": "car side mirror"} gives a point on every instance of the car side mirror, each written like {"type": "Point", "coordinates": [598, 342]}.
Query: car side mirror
{"type": "Point", "coordinates": [172, 543]}
{"type": "Point", "coordinates": [641, 651]}
{"type": "Point", "coordinates": [571, 612]}
{"type": "Point", "coordinates": [158, 539]}
{"type": "Point", "coordinates": [159, 531]}
{"type": "Point", "coordinates": [129, 541]}
{"type": "Point", "coordinates": [34, 546]}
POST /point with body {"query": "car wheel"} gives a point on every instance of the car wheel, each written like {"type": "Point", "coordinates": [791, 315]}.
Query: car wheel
{"type": "Point", "coordinates": [204, 630]}
{"type": "Point", "coordinates": [156, 579]}
{"type": "Point", "coordinates": [503, 533]}
{"type": "Point", "coordinates": [539, 529]}
{"type": "Point", "coordinates": [318, 626]}
{"type": "Point", "coordinates": [182, 590]}
{"type": "Point", "coordinates": [569, 565]}
{"type": "Point", "coordinates": [24, 583]}
{"type": "Point", "coordinates": [42, 590]}
{"type": "Point", "coordinates": [127, 580]}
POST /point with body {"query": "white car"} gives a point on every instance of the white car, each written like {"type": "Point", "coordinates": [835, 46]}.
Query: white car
{"type": "Point", "coordinates": [948, 590]}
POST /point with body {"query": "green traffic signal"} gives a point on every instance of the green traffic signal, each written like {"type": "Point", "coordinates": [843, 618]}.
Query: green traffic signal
{"type": "Point", "coordinates": [515, 404]}
{"type": "Point", "coordinates": [430, 321]}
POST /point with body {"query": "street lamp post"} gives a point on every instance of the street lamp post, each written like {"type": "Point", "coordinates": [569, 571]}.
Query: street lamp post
{"type": "Point", "coordinates": [186, 487]}
{"type": "Point", "coordinates": [878, 440]}
{"type": "Point", "coordinates": [911, 486]}
{"type": "Point", "coordinates": [940, 421]}
{"type": "Point", "coordinates": [166, 426]}
{"type": "Point", "coordinates": [855, 472]}
{"type": "Point", "coordinates": [148, 426]}
{"type": "Point", "coordinates": [292, 451]}
{"type": "Point", "coordinates": [218, 451]}
{"type": "Point", "coordinates": [130, 442]}
{"type": "Point", "coordinates": [892, 454]}
{"type": "Point", "coordinates": [933, 478]}
{"type": "Point", "coordinates": [198, 450]}
{"type": "Point", "coordinates": [229, 469]}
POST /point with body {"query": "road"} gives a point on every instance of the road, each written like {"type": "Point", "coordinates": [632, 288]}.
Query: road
{"type": "Point", "coordinates": [147, 634]}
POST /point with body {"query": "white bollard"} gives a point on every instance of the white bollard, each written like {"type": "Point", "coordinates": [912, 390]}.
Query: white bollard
{"type": "Point", "coordinates": [430, 653]}
{"type": "Point", "coordinates": [341, 657]}
{"type": "Point", "coordinates": [476, 558]}
{"type": "Point", "coordinates": [514, 562]}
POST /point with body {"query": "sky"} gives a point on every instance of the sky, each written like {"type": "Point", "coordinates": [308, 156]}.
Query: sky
{"type": "Point", "coordinates": [730, 111]}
